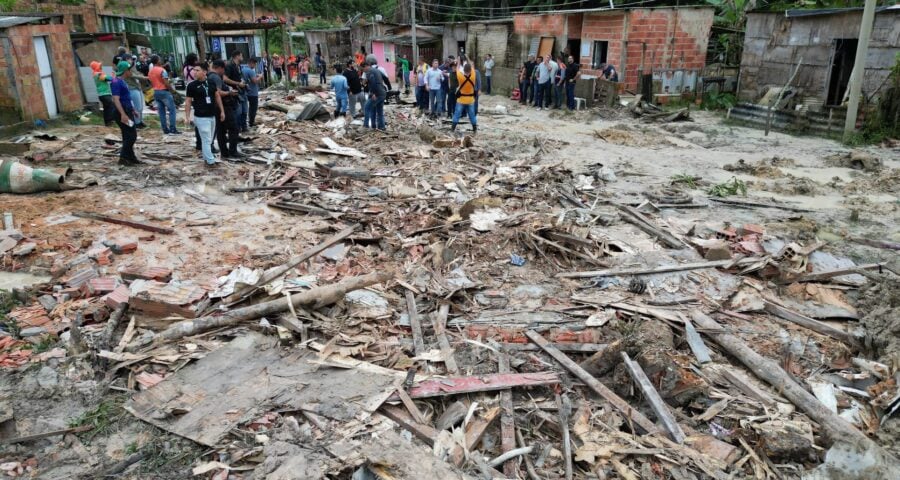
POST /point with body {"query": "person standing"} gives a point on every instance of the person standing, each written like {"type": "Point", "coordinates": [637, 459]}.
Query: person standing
{"type": "Point", "coordinates": [488, 73]}
{"type": "Point", "coordinates": [250, 76]}
{"type": "Point", "coordinates": [214, 75]}
{"type": "Point", "coordinates": [277, 64]}
{"type": "Point", "coordinates": [119, 56]}
{"type": "Point", "coordinates": [465, 98]}
{"type": "Point", "coordinates": [404, 72]}
{"type": "Point", "coordinates": [377, 94]}
{"type": "Point", "coordinates": [559, 83]}
{"type": "Point", "coordinates": [452, 85]}
{"type": "Point", "coordinates": [433, 78]}
{"type": "Point", "coordinates": [125, 118]}
{"type": "Point", "coordinates": [201, 95]}
{"type": "Point", "coordinates": [228, 134]}
{"type": "Point", "coordinates": [354, 85]}
{"type": "Point", "coordinates": [421, 91]}
{"type": "Point", "coordinates": [304, 72]}
{"type": "Point", "coordinates": [527, 88]}
{"type": "Point", "coordinates": [134, 82]}
{"type": "Point", "coordinates": [162, 95]}
{"type": "Point", "coordinates": [187, 70]}
{"type": "Point", "coordinates": [321, 67]}
{"type": "Point", "coordinates": [542, 73]}
{"type": "Point", "coordinates": [264, 65]}
{"type": "Point", "coordinates": [104, 93]}
{"type": "Point", "coordinates": [234, 78]}
{"type": "Point", "coordinates": [341, 92]}
{"type": "Point", "coordinates": [571, 75]}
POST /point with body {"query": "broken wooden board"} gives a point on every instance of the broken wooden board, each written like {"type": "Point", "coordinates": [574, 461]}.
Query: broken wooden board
{"type": "Point", "coordinates": [249, 377]}
{"type": "Point", "coordinates": [333, 148]}
{"type": "Point", "coordinates": [439, 387]}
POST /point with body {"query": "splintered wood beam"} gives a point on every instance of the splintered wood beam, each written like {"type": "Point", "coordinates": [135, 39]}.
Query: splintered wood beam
{"type": "Point", "coordinates": [423, 432]}
{"type": "Point", "coordinates": [813, 324]}
{"type": "Point", "coordinates": [507, 420]}
{"type": "Point", "coordinates": [656, 402]}
{"type": "Point", "coordinates": [616, 401]}
{"type": "Point", "coordinates": [439, 323]}
{"type": "Point", "coordinates": [440, 387]}
{"type": "Point", "coordinates": [418, 340]}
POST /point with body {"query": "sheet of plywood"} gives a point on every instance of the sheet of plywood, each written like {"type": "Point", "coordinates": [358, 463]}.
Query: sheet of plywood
{"type": "Point", "coordinates": [250, 376]}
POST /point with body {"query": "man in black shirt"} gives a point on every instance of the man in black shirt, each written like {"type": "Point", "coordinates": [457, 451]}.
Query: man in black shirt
{"type": "Point", "coordinates": [354, 84]}
{"type": "Point", "coordinates": [571, 75]}
{"type": "Point", "coordinates": [527, 84]}
{"type": "Point", "coordinates": [204, 97]}
{"type": "Point", "coordinates": [230, 104]}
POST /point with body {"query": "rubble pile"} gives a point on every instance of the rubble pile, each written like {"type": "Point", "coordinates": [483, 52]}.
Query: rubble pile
{"type": "Point", "coordinates": [470, 309]}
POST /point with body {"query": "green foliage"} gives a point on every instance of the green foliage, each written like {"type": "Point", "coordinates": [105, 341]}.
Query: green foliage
{"type": "Point", "coordinates": [318, 24]}
{"type": "Point", "coordinates": [188, 13]}
{"type": "Point", "coordinates": [102, 417]}
{"type": "Point", "coordinates": [689, 181]}
{"type": "Point", "coordinates": [7, 5]}
{"type": "Point", "coordinates": [729, 188]}
{"type": "Point", "coordinates": [719, 100]}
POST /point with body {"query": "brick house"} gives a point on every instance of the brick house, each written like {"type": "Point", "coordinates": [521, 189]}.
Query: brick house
{"type": "Point", "coordinates": [77, 16]}
{"type": "Point", "coordinates": [669, 42]}
{"type": "Point", "coordinates": [38, 78]}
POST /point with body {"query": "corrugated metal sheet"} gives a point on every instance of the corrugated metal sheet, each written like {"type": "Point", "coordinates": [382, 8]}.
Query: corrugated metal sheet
{"type": "Point", "coordinates": [12, 21]}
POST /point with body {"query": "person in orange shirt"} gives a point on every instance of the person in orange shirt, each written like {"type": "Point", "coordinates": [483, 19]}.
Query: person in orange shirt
{"type": "Point", "coordinates": [162, 94]}
{"type": "Point", "coordinates": [465, 97]}
{"type": "Point", "coordinates": [359, 57]}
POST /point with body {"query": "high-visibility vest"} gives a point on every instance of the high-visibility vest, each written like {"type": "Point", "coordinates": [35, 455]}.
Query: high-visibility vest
{"type": "Point", "coordinates": [466, 88]}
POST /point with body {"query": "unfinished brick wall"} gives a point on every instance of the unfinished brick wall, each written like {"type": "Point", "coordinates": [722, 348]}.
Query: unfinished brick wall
{"type": "Point", "coordinates": [608, 27]}
{"type": "Point", "coordinates": [540, 25]}
{"type": "Point", "coordinates": [90, 20]}
{"type": "Point", "coordinates": [485, 38]}
{"type": "Point", "coordinates": [27, 81]}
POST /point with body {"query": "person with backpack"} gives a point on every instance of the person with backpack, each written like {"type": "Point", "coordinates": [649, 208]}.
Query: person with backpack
{"type": "Point", "coordinates": [465, 98]}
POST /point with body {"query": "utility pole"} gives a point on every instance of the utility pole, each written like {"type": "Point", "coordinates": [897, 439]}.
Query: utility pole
{"type": "Point", "coordinates": [253, 11]}
{"type": "Point", "coordinates": [415, 45]}
{"type": "Point", "coordinates": [859, 67]}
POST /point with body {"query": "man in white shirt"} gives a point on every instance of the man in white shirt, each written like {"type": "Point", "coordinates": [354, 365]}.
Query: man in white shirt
{"type": "Point", "coordinates": [488, 68]}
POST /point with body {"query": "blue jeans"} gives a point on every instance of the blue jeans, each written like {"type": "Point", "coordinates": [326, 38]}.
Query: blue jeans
{"type": "Point", "coordinates": [165, 102]}
{"type": "Point", "coordinates": [542, 94]}
{"type": "Point", "coordinates": [434, 99]}
{"type": "Point", "coordinates": [378, 113]}
{"type": "Point", "coordinates": [469, 109]}
{"type": "Point", "coordinates": [369, 110]}
{"type": "Point", "coordinates": [560, 92]}
{"type": "Point", "coordinates": [487, 84]}
{"type": "Point", "coordinates": [205, 128]}
{"type": "Point", "coordinates": [523, 91]}
{"type": "Point", "coordinates": [245, 110]}
{"type": "Point", "coordinates": [137, 101]}
{"type": "Point", "coordinates": [570, 95]}
{"type": "Point", "coordinates": [422, 98]}
{"type": "Point", "coordinates": [304, 79]}
{"type": "Point", "coordinates": [342, 103]}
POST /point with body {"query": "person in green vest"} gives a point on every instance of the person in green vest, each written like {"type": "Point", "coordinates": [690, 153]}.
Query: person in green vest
{"type": "Point", "coordinates": [404, 69]}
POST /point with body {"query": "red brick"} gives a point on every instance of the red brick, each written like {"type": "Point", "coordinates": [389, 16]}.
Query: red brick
{"type": "Point", "coordinates": [117, 297]}
{"type": "Point", "coordinates": [159, 274]}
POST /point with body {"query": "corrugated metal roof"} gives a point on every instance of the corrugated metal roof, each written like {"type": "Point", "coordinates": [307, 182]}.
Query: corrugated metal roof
{"type": "Point", "coordinates": [13, 20]}
{"type": "Point", "coordinates": [832, 11]}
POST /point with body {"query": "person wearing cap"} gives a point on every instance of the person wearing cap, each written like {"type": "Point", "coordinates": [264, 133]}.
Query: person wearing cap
{"type": "Point", "coordinates": [101, 81]}
{"type": "Point", "coordinates": [122, 101]}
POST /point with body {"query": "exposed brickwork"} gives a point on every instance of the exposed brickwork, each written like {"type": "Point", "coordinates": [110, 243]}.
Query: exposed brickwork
{"type": "Point", "coordinates": [485, 38]}
{"type": "Point", "coordinates": [90, 21]}
{"type": "Point", "coordinates": [672, 38]}
{"type": "Point", "coordinates": [542, 25]}
{"type": "Point", "coordinates": [27, 76]}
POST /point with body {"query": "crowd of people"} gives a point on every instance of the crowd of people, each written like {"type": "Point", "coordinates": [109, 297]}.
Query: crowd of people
{"type": "Point", "coordinates": [222, 97]}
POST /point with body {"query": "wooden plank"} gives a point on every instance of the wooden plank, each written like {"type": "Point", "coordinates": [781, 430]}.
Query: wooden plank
{"type": "Point", "coordinates": [746, 386]}
{"type": "Point", "coordinates": [474, 431]}
{"type": "Point", "coordinates": [411, 309]}
{"type": "Point", "coordinates": [821, 276]}
{"type": "Point", "coordinates": [122, 221]}
{"type": "Point", "coordinates": [421, 431]}
{"type": "Point", "coordinates": [38, 436]}
{"type": "Point", "coordinates": [439, 387]}
{"type": "Point", "coordinates": [616, 401]}
{"type": "Point", "coordinates": [813, 324]}
{"type": "Point", "coordinates": [636, 218]}
{"type": "Point", "coordinates": [656, 402]}
{"type": "Point", "coordinates": [661, 269]}
{"type": "Point", "coordinates": [701, 351]}
{"type": "Point", "coordinates": [507, 420]}
{"type": "Point", "coordinates": [562, 347]}
{"type": "Point", "coordinates": [833, 426]}
{"type": "Point", "coordinates": [439, 322]}
{"type": "Point", "coordinates": [408, 403]}
{"type": "Point", "coordinates": [562, 408]}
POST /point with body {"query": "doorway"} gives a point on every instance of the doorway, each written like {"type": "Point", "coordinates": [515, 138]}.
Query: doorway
{"type": "Point", "coordinates": [460, 48]}
{"type": "Point", "coordinates": [242, 47]}
{"type": "Point", "coordinates": [46, 72]}
{"type": "Point", "coordinates": [574, 49]}
{"type": "Point", "coordinates": [841, 67]}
